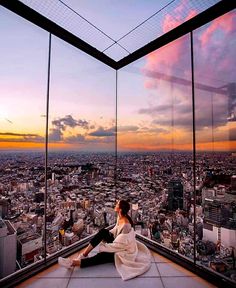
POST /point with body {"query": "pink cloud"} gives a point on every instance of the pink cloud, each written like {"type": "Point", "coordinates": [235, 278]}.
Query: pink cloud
{"type": "Point", "coordinates": [166, 58]}
{"type": "Point", "coordinates": [214, 63]}
{"type": "Point", "coordinates": [174, 58]}
{"type": "Point", "coordinates": [225, 24]}
{"type": "Point", "coordinates": [176, 17]}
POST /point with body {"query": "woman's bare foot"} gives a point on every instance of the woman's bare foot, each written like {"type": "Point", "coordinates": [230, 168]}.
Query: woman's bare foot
{"type": "Point", "coordinates": [65, 262]}
{"type": "Point", "coordinates": [76, 262]}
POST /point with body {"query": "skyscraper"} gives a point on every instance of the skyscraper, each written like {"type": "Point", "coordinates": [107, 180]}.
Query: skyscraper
{"type": "Point", "coordinates": [4, 205]}
{"type": "Point", "coordinates": [7, 248]}
{"type": "Point", "coordinates": [175, 195]}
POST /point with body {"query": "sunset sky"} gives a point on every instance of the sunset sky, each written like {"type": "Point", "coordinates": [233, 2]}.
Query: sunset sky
{"type": "Point", "coordinates": [154, 108]}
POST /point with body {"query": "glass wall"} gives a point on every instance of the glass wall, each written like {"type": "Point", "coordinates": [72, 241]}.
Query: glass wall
{"type": "Point", "coordinates": [81, 146]}
{"type": "Point", "coordinates": [155, 144]}
{"type": "Point", "coordinates": [155, 147]}
{"type": "Point", "coordinates": [215, 89]}
{"type": "Point", "coordinates": [82, 140]}
{"type": "Point", "coordinates": [23, 84]}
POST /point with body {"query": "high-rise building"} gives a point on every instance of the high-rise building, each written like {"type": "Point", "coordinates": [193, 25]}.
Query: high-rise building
{"type": "Point", "coordinates": [7, 248]}
{"type": "Point", "coordinates": [233, 184]}
{"type": "Point", "coordinates": [4, 206]}
{"type": "Point", "coordinates": [175, 195]}
{"type": "Point", "coordinates": [220, 212]}
{"type": "Point", "coordinates": [212, 212]}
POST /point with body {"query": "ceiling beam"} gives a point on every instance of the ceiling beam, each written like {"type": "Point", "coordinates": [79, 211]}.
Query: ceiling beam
{"type": "Point", "coordinates": [199, 20]}
{"type": "Point", "coordinates": [26, 12]}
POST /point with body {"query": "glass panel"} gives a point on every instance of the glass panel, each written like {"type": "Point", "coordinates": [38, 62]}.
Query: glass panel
{"type": "Point", "coordinates": [23, 80]}
{"type": "Point", "coordinates": [82, 146]}
{"type": "Point", "coordinates": [155, 144]}
{"type": "Point", "coordinates": [215, 72]}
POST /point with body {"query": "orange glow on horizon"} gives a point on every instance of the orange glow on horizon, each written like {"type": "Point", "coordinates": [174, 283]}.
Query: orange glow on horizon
{"type": "Point", "coordinates": [31, 145]}
{"type": "Point", "coordinates": [207, 146]}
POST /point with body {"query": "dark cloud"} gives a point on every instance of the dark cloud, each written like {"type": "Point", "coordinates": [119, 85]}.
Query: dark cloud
{"type": "Point", "coordinates": [69, 121]}
{"type": "Point", "coordinates": [21, 137]}
{"type": "Point", "coordinates": [101, 132]}
{"type": "Point", "coordinates": [18, 137]}
{"type": "Point", "coordinates": [55, 135]}
{"type": "Point", "coordinates": [208, 113]}
{"type": "Point", "coordinates": [18, 134]}
{"type": "Point", "coordinates": [60, 125]}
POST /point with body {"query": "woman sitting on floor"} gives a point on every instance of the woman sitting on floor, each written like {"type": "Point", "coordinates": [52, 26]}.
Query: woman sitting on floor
{"type": "Point", "coordinates": [118, 246]}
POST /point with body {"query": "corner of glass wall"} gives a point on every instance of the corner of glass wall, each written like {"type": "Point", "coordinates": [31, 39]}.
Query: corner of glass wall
{"type": "Point", "coordinates": [82, 142]}
{"type": "Point", "coordinates": [215, 110]}
{"type": "Point", "coordinates": [23, 83]}
{"type": "Point", "coordinates": [155, 156]}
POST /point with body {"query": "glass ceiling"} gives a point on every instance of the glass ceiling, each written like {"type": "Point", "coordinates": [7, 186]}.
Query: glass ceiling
{"type": "Point", "coordinates": [118, 28]}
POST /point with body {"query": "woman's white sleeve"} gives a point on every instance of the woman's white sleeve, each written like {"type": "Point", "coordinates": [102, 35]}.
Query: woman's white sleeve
{"type": "Point", "coordinates": [112, 247]}
{"type": "Point", "coordinates": [113, 230]}
{"type": "Point", "coordinates": [119, 244]}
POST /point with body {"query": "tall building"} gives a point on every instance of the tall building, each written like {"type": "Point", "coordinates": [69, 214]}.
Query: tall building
{"type": "Point", "coordinates": [220, 221]}
{"type": "Point", "coordinates": [212, 212]}
{"type": "Point", "coordinates": [233, 184]}
{"type": "Point", "coordinates": [175, 195]}
{"type": "Point", "coordinates": [7, 248]}
{"type": "Point", "coordinates": [4, 206]}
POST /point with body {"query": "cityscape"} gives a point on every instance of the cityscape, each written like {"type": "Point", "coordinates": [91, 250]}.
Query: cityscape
{"type": "Point", "coordinates": [82, 189]}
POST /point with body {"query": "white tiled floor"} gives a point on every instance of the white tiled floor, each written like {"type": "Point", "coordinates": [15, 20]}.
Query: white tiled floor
{"type": "Point", "coordinates": [162, 274]}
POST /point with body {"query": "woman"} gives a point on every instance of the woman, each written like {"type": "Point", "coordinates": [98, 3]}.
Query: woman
{"type": "Point", "coordinates": [118, 245]}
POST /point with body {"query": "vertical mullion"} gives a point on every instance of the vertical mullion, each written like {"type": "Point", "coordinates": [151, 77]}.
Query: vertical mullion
{"type": "Point", "coordinates": [194, 146]}
{"type": "Point", "coordinates": [46, 145]}
{"type": "Point", "coordinates": [116, 140]}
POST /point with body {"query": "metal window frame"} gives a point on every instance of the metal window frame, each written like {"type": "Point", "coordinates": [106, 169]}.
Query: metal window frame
{"type": "Point", "coordinates": [199, 20]}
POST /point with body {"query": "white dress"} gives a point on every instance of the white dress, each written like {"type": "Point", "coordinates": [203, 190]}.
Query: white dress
{"type": "Point", "coordinates": [132, 258]}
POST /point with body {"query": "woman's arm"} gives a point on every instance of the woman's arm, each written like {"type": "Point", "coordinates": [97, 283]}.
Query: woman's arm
{"type": "Point", "coordinates": [114, 230]}
{"type": "Point", "coordinates": [112, 247]}
{"type": "Point", "coordinates": [121, 243]}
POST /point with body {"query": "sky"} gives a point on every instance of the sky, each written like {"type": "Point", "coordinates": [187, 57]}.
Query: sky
{"type": "Point", "coordinates": [154, 106]}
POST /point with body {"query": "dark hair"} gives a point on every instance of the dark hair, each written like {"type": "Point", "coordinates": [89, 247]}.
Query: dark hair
{"type": "Point", "coordinates": [125, 207]}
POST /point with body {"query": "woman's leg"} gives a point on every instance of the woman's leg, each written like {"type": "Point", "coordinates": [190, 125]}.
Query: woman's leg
{"type": "Point", "coordinates": [99, 258]}
{"type": "Point", "coordinates": [102, 235]}
{"type": "Point", "coordinates": [87, 250]}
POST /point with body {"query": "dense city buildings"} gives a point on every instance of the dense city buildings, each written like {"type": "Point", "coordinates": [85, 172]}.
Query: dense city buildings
{"type": "Point", "coordinates": [8, 248]}
{"type": "Point", "coordinates": [82, 189]}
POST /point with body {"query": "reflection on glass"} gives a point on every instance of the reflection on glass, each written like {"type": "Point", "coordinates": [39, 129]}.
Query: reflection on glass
{"type": "Point", "coordinates": [81, 147]}
{"type": "Point", "coordinates": [155, 145]}
{"type": "Point", "coordinates": [215, 72]}
{"type": "Point", "coordinates": [23, 70]}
